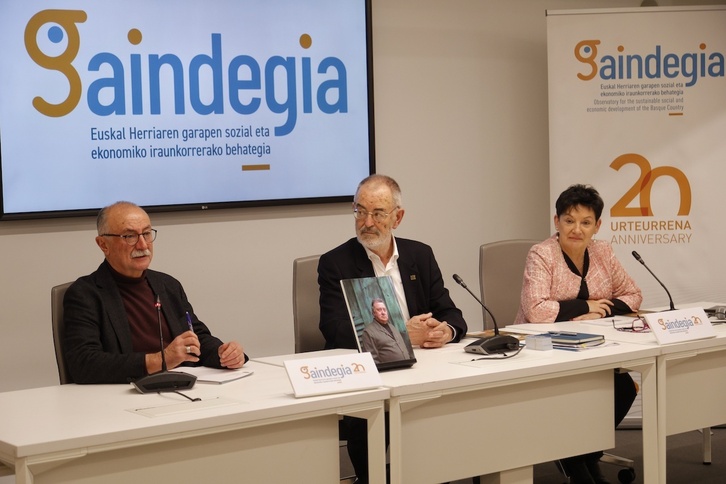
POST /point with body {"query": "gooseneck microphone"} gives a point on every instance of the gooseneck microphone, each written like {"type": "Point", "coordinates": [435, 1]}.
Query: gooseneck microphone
{"type": "Point", "coordinates": [489, 344]}
{"type": "Point", "coordinates": [164, 381]}
{"type": "Point", "coordinates": [640, 259]}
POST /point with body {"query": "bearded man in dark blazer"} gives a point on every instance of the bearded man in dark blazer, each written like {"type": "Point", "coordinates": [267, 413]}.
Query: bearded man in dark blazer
{"type": "Point", "coordinates": [432, 318]}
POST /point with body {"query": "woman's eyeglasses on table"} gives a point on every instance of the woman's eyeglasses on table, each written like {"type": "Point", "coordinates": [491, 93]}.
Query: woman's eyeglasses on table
{"type": "Point", "coordinates": [637, 325]}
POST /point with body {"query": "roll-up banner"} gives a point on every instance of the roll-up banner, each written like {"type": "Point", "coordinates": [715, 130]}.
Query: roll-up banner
{"type": "Point", "coordinates": [637, 108]}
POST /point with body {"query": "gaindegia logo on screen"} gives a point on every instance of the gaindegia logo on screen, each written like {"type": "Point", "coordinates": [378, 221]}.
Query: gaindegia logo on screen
{"type": "Point", "coordinates": [53, 41]}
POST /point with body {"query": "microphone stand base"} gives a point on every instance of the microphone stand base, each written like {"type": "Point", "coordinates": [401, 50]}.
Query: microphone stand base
{"type": "Point", "coordinates": [165, 381]}
{"type": "Point", "coordinates": [492, 345]}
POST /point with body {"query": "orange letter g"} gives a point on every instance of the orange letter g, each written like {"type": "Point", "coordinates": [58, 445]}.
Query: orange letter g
{"type": "Point", "coordinates": [67, 20]}
{"type": "Point", "coordinates": [589, 48]}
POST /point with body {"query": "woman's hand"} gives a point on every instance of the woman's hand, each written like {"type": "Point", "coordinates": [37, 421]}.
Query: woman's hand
{"type": "Point", "coordinates": [587, 316]}
{"type": "Point", "coordinates": [601, 307]}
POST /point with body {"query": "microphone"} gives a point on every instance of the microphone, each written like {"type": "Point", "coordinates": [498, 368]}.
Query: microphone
{"type": "Point", "coordinates": [640, 259]}
{"type": "Point", "coordinates": [489, 344]}
{"type": "Point", "coordinates": [164, 381]}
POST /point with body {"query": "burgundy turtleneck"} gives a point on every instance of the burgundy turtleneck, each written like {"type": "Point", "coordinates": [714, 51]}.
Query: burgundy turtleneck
{"type": "Point", "coordinates": [140, 304]}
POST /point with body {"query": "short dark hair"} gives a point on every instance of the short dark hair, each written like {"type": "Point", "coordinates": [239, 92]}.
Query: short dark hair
{"type": "Point", "coordinates": [579, 195]}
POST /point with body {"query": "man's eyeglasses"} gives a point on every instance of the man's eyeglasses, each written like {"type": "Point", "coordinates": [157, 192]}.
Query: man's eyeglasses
{"type": "Point", "coordinates": [378, 215]}
{"type": "Point", "coordinates": [132, 239]}
{"type": "Point", "coordinates": [637, 325]}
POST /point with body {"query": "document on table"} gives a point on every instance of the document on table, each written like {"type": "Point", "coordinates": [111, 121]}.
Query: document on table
{"type": "Point", "coordinates": [215, 375]}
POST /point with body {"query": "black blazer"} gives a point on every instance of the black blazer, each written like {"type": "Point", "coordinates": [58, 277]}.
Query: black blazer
{"type": "Point", "coordinates": [97, 339]}
{"type": "Point", "coordinates": [422, 284]}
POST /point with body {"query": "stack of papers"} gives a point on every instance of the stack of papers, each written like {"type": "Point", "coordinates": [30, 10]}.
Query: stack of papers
{"type": "Point", "coordinates": [214, 375]}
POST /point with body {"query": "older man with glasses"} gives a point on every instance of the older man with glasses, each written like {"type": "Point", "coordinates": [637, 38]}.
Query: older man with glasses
{"type": "Point", "coordinates": [111, 317]}
{"type": "Point", "coordinates": [432, 318]}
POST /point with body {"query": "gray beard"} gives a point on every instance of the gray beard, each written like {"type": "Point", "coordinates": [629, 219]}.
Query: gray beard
{"type": "Point", "coordinates": [373, 244]}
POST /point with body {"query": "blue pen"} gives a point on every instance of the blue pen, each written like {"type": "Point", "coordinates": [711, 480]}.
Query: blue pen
{"type": "Point", "coordinates": [189, 322]}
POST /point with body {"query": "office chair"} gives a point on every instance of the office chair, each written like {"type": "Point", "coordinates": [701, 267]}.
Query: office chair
{"type": "Point", "coordinates": [306, 314]}
{"type": "Point", "coordinates": [501, 268]}
{"type": "Point", "coordinates": [56, 307]}
{"type": "Point", "coordinates": [306, 305]}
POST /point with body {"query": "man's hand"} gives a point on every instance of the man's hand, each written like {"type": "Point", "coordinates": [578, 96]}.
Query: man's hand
{"type": "Point", "coordinates": [427, 332]}
{"type": "Point", "coordinates": [231, 355]}
{"type": "Point", "coordinates": [184, 347]}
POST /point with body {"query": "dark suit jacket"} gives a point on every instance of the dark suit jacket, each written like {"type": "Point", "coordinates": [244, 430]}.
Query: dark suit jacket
{"type": "Point", "coordinates": [422, 285]}
{"type": "Point", "coordinates": [97, 339]}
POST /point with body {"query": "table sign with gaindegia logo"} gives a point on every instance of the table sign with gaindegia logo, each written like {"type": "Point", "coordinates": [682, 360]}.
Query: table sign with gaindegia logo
{"type": "Point", "coordinates": [680, 325]}
{"type": "Point", "coordinates": [332, 374]}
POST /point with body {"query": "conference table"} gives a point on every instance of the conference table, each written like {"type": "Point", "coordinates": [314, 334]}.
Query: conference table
{"type": "Point", "coordinates": [691, 378]}
{"type": "Point", "coordinates": [249, 430]}
{"type": "Point", "coordinates": [454, 415]}
{"type": "Point", "coordinates": [451, 418]}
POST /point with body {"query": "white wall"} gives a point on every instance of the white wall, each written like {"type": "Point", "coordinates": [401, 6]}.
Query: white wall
{"type": "Point", "coordinates": [461, 123]}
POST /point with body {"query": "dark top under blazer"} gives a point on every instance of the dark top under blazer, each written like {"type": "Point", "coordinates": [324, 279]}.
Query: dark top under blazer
{"type": "Point", "coordinates": [97, 339]}
{"type": "Point", "coordinates": [422, 285]}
